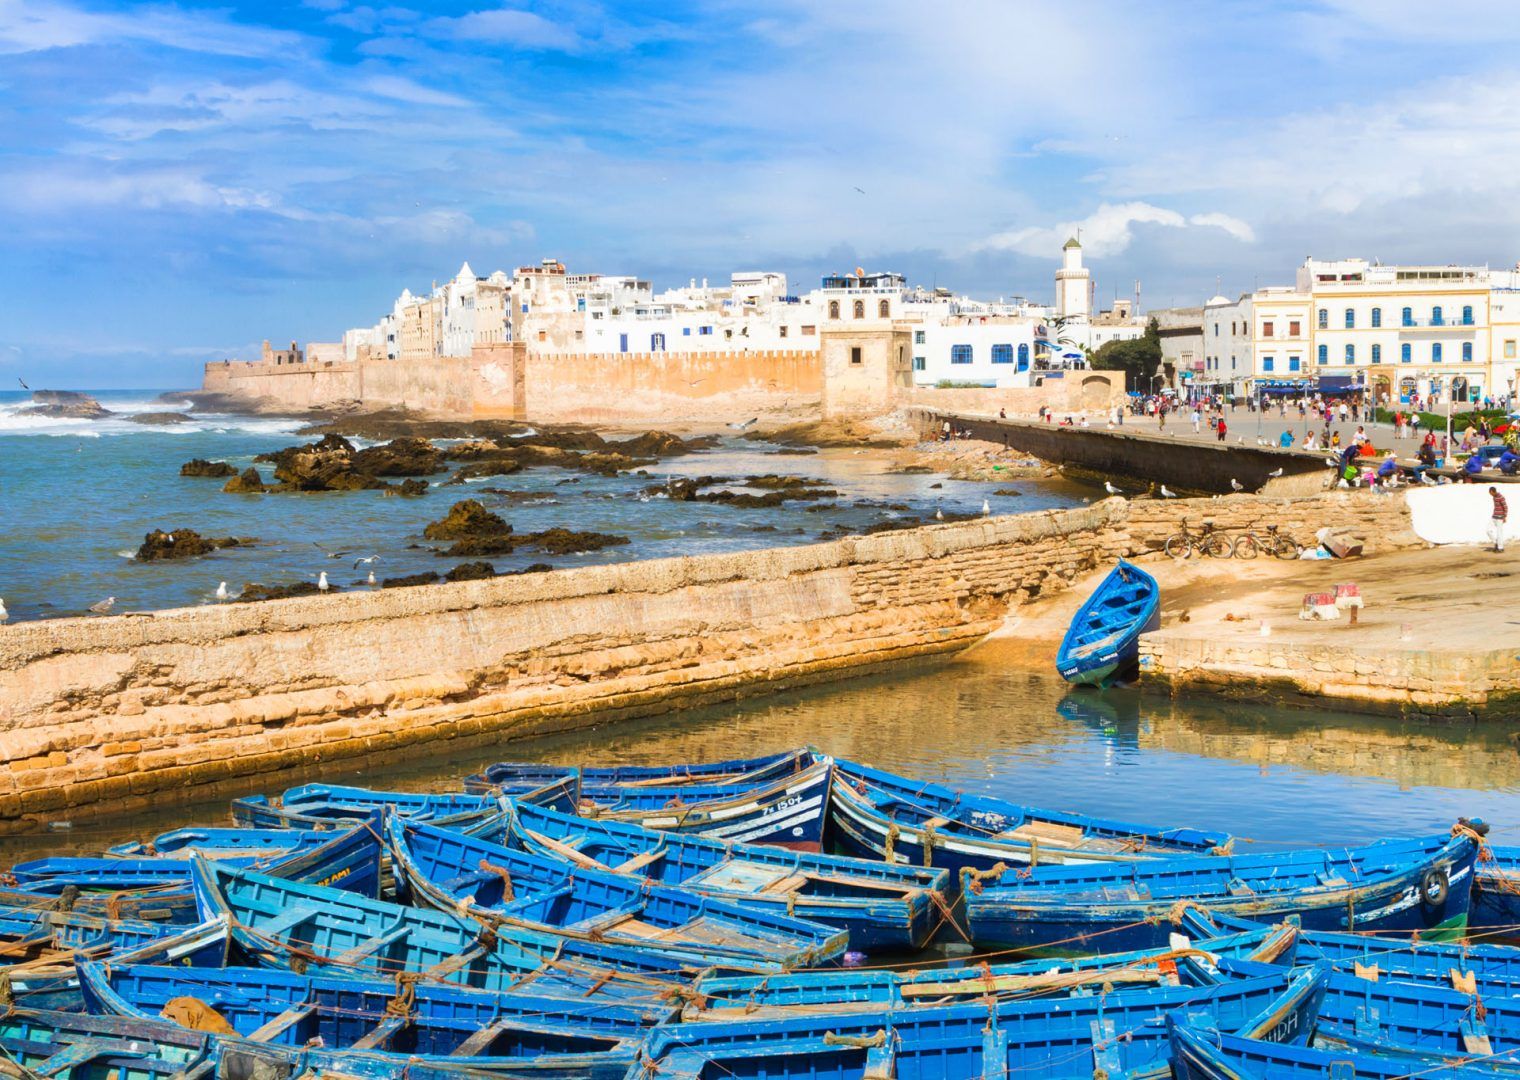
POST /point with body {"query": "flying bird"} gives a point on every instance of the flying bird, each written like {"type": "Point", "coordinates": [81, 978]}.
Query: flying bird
{"type": "Point", "coordinates": [746, 425]}
{"type": "Point", "coordinates": [221, 591]}
{"type": "Point", "coordinates": [1276, 472]}
{"type": "Point", "coordinates": [104, 607]}
{"type": "Point", "coordinates": [861, 190]}
{"type": "Point", "coordinates": [329, 554]}
{"type": "Point", "coordinates": [1236, 485]}
{"type": "Point", "coordinates": [22, 381]}
{"type": "Point", "coordinates": [366, 561]}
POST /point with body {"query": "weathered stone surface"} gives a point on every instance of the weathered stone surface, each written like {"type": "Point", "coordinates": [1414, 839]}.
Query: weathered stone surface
{"type": "Point", "coordinates": [248, 482]}
{"type": "Point", "coordinates": [202, 467]}
{"type": "Point", "coordinates": [471, 571]}
{"type": "Point", "coordinates": [183, 544]}
{"type": "Point", "coordinates": [65, 405]}
{"type": "Point", "coordinates": [160, 419]}
{"type": "Point", "coordinates": [467, 519]}
{"type": "Point", "coordinates": [410, 488]}
{"type": "Point", "coordinates": [427, 577]}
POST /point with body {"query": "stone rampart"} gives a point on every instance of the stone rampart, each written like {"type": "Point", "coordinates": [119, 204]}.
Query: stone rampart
{"type": "Point", "coordinates": [122, 709]}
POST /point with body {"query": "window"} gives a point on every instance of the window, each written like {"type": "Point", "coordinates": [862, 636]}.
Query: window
{"type": "Point", "coordinates": [1509, 348]}
{"type": "Point", "coordinates": [543, 335]}
{"type": "Point", "coordinates": [833, 309]}
{"type": "Point", "coordinates": [1377, 317]}
{"type": "Point", "coordinates": [808, 330]}
{"type": "Point", "coordinates": [1266, 329]}
{"type": "Point", "coordinates": [1377, 354]}
{"type": "Point", "coordinates": [1435, 317]}
{"type": "Point", "coordinates": [1232, 327]}
{"type": "Point", "coordinates": [1324, 355]}
{"type": "Point", "coordinates": [854, 354]}
{"type": "Point", "coordinates": [656, 342]}
{"type": "Point", "coordinates": [1435, 352]}
{"type": "Point", "coordinates": [781, 331]}
{"type": "Point", "coordinates": [686, 331]}
{"type": "Point", "coordinates": [622, 343]}
{"type": "Point", "coordinates": [1350, 318]}
{"type": "Point", "coordinates": [918, 337]}
{"type": "Point", "coordinates": [883, 309]}
{"type": "Point", "coordinates": [1404, 352]}
{"type": "Point", "coordinates": [1407, 316]}
{"type": "Point", "coordinates": [919, 363]}
{"type": "Point", "coordinates": [1002, 354]}
{"type": "Point", "coordinates": [1293, 363]}
{"type": "Point", "coordinates": [1467, 319]}
{"type": "Point", "coordinates": [1268, 362]}
{"type": "Point", "coordinates": [1294, 329]}
{"type": "Point", "coordinates": [525, 307]}
{"type": "Point", "coordinates": [1216, 329]}
{"type": "Point", "coordinates": [1324, 318]}
{"type": "Point", "coordinates": [1466, 352]}
{"type": "Point", "coordinates": [580, 303]}
{"type": "Point", "coordinates": [960, 354]}
{"type": "Point", "coordinates": [860, 309]}
{"type": "Point", "coordinates": [1023, 356]}
{"type": "Point", "coordinates": [704, 331]}
{"type": "Point", "coordinates": [1350, 353]}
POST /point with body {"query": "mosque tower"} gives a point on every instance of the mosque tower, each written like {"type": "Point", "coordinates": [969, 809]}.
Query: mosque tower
{"type": "Point", "coordinates": [1073, 283]}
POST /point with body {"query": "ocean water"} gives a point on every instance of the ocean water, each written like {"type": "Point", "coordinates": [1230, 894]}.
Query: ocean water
{"type": "Point", "coordinates": [78, 496]}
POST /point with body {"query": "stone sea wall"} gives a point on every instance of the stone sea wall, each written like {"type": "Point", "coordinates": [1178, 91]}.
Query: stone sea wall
{"type": "Point", "coordinates": [125, 709]}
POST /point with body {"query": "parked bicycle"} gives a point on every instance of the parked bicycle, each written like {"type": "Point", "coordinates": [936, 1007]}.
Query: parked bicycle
{"type": "Point", "coordinates": [1182, 545]}
{"type": "Point", "coordinates": [1248, 544]}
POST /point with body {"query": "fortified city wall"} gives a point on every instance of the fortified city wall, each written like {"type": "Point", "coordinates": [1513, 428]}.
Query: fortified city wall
{"type": "Point", "coordinates": [117, 710]}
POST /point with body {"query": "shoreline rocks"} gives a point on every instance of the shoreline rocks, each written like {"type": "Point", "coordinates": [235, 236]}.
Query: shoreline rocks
{"type": "Point", "coordinates": [160, 544]}
{"type": "Point", "coordinates": [65, 405]}
{"type": "Point", "coordinates": [202, 467]}
{"type": "Point", "coordinates": [159, 419]}
{"type": "Point", "coordinates": [476, 532]}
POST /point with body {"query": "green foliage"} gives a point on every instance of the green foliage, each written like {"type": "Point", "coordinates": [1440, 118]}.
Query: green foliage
{"type": "Point", "coordinates": [959, 384]}
{"type": "Point", "coordinates": [1138, 359]}
{"type": "Point", "coordinates": [1436, 421]}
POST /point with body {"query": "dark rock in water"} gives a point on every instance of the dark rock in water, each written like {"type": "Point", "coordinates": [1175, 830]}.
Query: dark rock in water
{"type": "Point", "coordinates": [653, 444]}
{"type": "Point", "coordinates": [794, 451]}
{"type": "Point", "coordinates": [399, 457]}
{"type": "Point", "coordinates": [248, 482]}
{"type": "Point", "coordinates": [256, 591]}
{"type": "Point", "coordinates": [332, 464]}
{"type": "Point", "coordinates": [202, 467]}
{"type": "Point", "coordinates": [566, 542]}
{"type": "Point", "coordinates": [776, 490]}
{"type": "Point", "coordinates": [1008, 491]}
{"type": "Point", "coordinates": [160, 418]}
{"type": "Point", "coordinates": [913, 470]}
{"type": "Point", "coordinates": [467, 520]}
{"type": "Point", "coordinates": [470, 571]}
{"type": "Point", "coordinates": [65, 405]}
{"type": "Point", "coordinates": [477, 469]}
{"type": "Point", "coordinates": [410, 488]}
{"type": "Point", "coordinates": [427, 577]}
{"type": "Point", "coordinates": [183, 544]}
{"type": "Point", "coordinates": [532, 568]}
{"type": "Point", "coordinates": [932, 486]}
{"type": "Point", "coordinates": [474, 547]}
{"type": "Point", "coordinates": [328, 444]}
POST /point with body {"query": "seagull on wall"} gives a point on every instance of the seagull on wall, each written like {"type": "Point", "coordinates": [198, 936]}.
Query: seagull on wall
{"type": "Point", "coordinates": [221, 591]}
{"type": "Point", "coordinates": [986, 508]}
{"type": "Point", "coordinates": [322, 581]}
{"type": "Point", "coordinates": [104, 607]}
{"type": "Point", "coordinates": [1276, 472]}
{"type": "Point", "coordinates": [1236, 485]}
{"type": "Point", "coordinates": [1111, 489]}
{"type": "Point", "coordinates": [1165, 494]}
{"type": "Point", "coordinates": [3, 613]}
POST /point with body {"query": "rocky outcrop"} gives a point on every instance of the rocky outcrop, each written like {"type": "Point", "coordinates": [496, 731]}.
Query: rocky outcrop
{"type": "Point", "coordinates": [202, 467]}
{"type": "Point", "coordinates": [255, 591]}
{"type": "Point", "coordinates": [467, 520]}
{"type": "Point", "coordinates": [409, 488]}
{"type": "Point", "coordinates": [159, 419]}
{"type": "Point", "coordinates": [333, 464]}
{"type": "Point", "coordinates": [775, 490]}
{"type": "Point", "coordinates": [427, 577]}
{"type": "Point", "coordinates": [476, 532]}
{"type": "Point", "coordinates": [65, 405]}
{"type": "Point", "coordinates": [471, 571]}
{"type": "Point", "coordinates": [248, 482]}
{"type": "Point", "coordinates": [184, 544]}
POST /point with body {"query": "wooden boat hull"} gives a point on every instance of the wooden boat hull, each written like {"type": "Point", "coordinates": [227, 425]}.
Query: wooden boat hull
{"type": "Point", "coordinates": [1121, 908]}
{"type": "Point", "coordinates": [515, 889]}
{"type": "Point", "coordinates": [880, 906]}
{"type": "Point", "coordinates": [1199, 1054]}
{"type": "Point", "coordinates": [510, 777]}
{"type": "Point", "coordinates": [1496, 891]}
{"type": "Point", "coordinates": [1102, 644]}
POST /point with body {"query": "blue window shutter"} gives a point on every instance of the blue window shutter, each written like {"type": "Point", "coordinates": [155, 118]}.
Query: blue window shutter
{"type": "Point", "coordinates": [1408, 314]}
{"type": "Point", "coordinates": [622, 343]}
{"type": "Point", "coordinates": [1404, 351]}
{"type": "Point", "coordinates": [1324, 355]}
{"type": "Point", "coordinates": [1467, 352]}
{"type": "Point", "coordinates": [1023, 356]}
{"type": "Point", "coordinates": [1002, 354]}
{"type": "Point", "coordinates": [1377, 354]}
{"type": "Point", "coordinates": [1467, 318]}
{"type": "Point", "coordinates": [1266, 363]}
{"type": "Point", "coordinates": [1435, 352]}
{"type": "Point", "coordinates": [1377, 317]}
{"type": "Point", "coordinates": [1350, 353]}
{"type": "Point", "coordinates": [1350, 319]}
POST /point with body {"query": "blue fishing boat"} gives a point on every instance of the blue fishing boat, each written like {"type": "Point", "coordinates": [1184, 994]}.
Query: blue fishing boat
{"type": "Point", "coordinates": [731, 997]}
{"type": "Point", "coordinates": [509, 777]}
{"type": "Point", "coordinates": [876, 814]}
{"type": "Point", "coordinates": [316, 806]}
{"type": "Point", "coordinates": [1205, 1053]}
{"type": "Point", "coordinates": [880, 905]}
{"type": "Point", "coordinates": [241, 847]}
{"type": "Point", "coordinates": [1079, 1037]}
{"type": "Point", "coordinates": [1496, 890]}
{"type": "Point", "coordinates": [512, 889]}
{"type": "Point", "coordinates": [1102, 644]}
{"type": "Point", "coordinates": [47, 1043]}
{"type": "Point", "coordinates": [285, 924]}
{"type": "Point", "coordinates": [788, 811]}
{"type": "Point", "coordinates": [404, 1023]}
{"type": "Point", "coordinates": [1392, 885]}
{"type": "Point", "coordinates": [159, 889]}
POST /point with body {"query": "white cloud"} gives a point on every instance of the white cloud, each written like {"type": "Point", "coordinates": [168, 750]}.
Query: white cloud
{"type": "Point", "coordinates": [1232, 225]}
{"type": "Point", "coordinates": [506, 26]}
{"type": "Point", "coordinates": [35, 25]}
{"type": "Point", "coordinates": [1108, 230]}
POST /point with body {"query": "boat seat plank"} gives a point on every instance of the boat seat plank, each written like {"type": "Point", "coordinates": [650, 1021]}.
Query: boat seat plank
{"type": "Point", "coordinates": [567, 852]}
{"type": "Point", "coordinates": [380, 1033]}
{"type": "Point", "coordinates": [477, 1043]}
{"type": "Point", "coordinates": [371, 946]}
{"type": "Point", "coordinates": [285, 921]}
{"type": "Point", "coordinates": [1049, 832]}
{"type": "Point", "coordinates": [455, 963]}
{"type": "Point", "coordinates": [786, 885]}
{"type": "Point", "coordinates": [638, 862]}
{"type": "Point", "coordinates": [736, 875]}
{"type": "Point", "coordinates": [289, 1018]}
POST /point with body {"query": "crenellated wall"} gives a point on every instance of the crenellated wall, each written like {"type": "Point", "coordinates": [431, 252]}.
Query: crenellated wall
{"type": "Point", "coordinates": [123, 709]}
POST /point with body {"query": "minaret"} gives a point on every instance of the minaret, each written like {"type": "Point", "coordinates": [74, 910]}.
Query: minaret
{"type": "Point", "coordinates": [1073, 283]}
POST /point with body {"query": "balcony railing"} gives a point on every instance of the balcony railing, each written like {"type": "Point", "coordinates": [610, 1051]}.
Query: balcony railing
{"type": "Point", "coordinates": [1443, 323]}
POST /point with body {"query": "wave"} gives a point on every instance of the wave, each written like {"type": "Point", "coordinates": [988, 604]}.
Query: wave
{"type": "Point", "coordinates": [13, 422]}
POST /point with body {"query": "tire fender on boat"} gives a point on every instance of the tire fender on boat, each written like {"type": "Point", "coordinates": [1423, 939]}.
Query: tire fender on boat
{"type": "Point", "coordinates": [1434, 888]}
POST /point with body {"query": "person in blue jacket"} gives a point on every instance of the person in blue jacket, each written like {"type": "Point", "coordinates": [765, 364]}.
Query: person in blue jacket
{"type": "Point", "coordinates": [1509, 462]}
{"type": "Point", "coordinates": [1285, 440]}
{"type": "Point", "coordinates": [1387, 470]}
{"type": "Point", "coordinates": [1473, 469]}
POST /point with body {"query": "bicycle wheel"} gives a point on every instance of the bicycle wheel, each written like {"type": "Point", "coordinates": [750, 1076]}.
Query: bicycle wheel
{"type": "Point", "coordinates": [1286, 548]}
{"type": "Point", "coordinates": [1246, 547]}
{"type": "Point", "coordinates": [1218, 547]}
{"type": "Point", "coordinates": [1179, 546]}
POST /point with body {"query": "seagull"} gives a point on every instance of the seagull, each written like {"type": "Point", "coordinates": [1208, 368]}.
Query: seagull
{"type": "Point", "coordinates": [322, 581]}
{"type": "Point", "coordinates": [3, 613]}
{"type": "Point", "coordinates": [329, 554]}
{"type": "Point", "coordinates": [1425, 479]}
{"type": "Point", "coordinates": [986, 508]}
{"type": "Point", "coordinates": [746, 425]}
{"type": "Point", "coordinates": [1165, 494]}
{"type": "Point", "coordinates": [1236, 485]}
{"type": "Point", "coordinates": [1276, 472]}
{"type": "Point", "coordinates": [1240, 440]}
{"type": "Point", "coordinates": [221, 591]}
{"type": "Point", "coordinates": [1111, 489]}
{"type": "Point", "coordinates": [859, 189]}
{"type": "Point", "coordinates": [371, 579]}
{"type": "Point", "coordinates": [22, 381]}
{"type": "Point", "coordinates": [1330, 461]}
{"type": "Point", "coordinates": [105, 606]}
{"type": "Point", "coordinates": [366, 561]}
{"type": "Point", "coordinates": [939, 515]}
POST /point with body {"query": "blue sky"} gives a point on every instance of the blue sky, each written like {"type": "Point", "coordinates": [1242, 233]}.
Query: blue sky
{"type": "Point", "coordinates": [178, 181]}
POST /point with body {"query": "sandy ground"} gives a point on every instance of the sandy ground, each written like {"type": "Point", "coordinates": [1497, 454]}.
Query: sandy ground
{"type": "Point", "coordinates": [1457, 598]}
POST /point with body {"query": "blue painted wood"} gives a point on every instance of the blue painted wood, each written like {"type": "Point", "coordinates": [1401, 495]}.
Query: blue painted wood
{"type": "Point", "coordinates": [315, 806]}
{"type": "Point", "coordinates": [1388, 886]}
{"type": "Point", "coordinates": [76, 1047]}
{"type": "Point", "coordinates": [509, 777]}
{"type": "Point", "coordinates": [1496, 891]}
{"type": "Point", "coordinates": [876, 814]}
{"type": "Point", "coordinates": [880, 905]}
{"type": "Point", "coordinates": [286, 924]}
{"type": "Point", "coordinates": [1120, 1034]}
{"type": "Point", "coordinates": [1202, 1054]}
{"type": "Point", "coordinates": [515, 889]}
{"type": "Point", "coordinates": [436, 1023]}
{"type": "Point", "coordinates": [1102, 643]}
{"type": "Point", "coordinates": [238, 846]}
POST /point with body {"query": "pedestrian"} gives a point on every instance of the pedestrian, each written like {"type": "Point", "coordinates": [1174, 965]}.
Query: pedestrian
{"type": "Point", "coordinates": [1197, 416]}
{"type": "Point", "coordinates": [1002, 414]}
{"type": "Point", "coordinates": [1496, 524]}
{"type": "Point", "coordinates": [1398, 425]}
{"type": "Point", "coordinates": [1161, 415]}
{"type": "Point", "coordinates": [1221, 429]}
